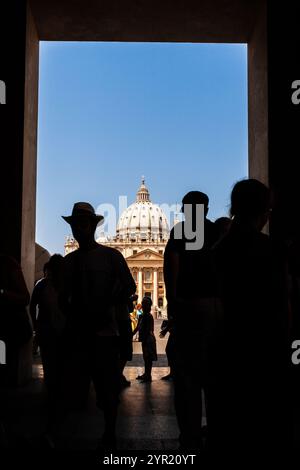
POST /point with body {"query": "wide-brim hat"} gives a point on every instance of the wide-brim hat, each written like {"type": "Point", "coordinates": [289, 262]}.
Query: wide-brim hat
{"type": "Point", "coordinates": [81, 209]}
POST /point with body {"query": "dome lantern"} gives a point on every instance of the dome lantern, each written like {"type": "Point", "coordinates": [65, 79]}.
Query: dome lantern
{"type": "Point", "coordinates": [143, 220]}
{"type": "Point", "coordinates": [143, 193]}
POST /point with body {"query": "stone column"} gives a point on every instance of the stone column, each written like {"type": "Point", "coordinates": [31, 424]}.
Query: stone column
{"type": "Point", "coordinates": [140, 286]}
{"type": "Point", "coordinates": [284, 121]}
{"type": "Point", "coordinates": [18, 123]}
{"type": "Point", "coordinates": [258, 99]}
{"type": "Point", "coordinates": [155, 288]}
{"type": "Point", "coordinates": [18, 120]}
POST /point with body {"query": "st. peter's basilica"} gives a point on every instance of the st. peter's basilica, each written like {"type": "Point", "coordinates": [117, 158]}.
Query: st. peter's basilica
{"type": "Point", "coordinates": [141, 236]}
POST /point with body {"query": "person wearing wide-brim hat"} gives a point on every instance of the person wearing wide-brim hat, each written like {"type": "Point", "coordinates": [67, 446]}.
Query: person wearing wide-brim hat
{"type": "Point", "coordinates": [83, 209]}
{"type": "Point", "coordinates": [96, 281]}
{"type": "Point", "coordinates": [84, 222]}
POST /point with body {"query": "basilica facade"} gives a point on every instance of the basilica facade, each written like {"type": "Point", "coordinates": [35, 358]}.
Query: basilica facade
{"type": "Point", "coordinates": [141, 236]}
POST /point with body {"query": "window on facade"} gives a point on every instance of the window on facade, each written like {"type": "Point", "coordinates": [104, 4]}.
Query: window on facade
{"type": "Point", "coordinates": [134, 252]}
{"type": "Point", "coordinates": [160, 276]}
{"type": "Point", "coordinates": [160, 302]}
{"type": "Point", "coordinates": [148, 276]}
{"type": "Point", "coordinates": [134, 275]}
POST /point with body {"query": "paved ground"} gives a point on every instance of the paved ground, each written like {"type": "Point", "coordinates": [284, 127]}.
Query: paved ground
{"type": "Point", "coordinates": [146, 414]}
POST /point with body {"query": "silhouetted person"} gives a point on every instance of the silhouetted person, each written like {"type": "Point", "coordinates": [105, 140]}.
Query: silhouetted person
{"type": "Point", "coordinates": [294, 276]}
{"type": "Point", "coordinates": [34, 312]}
{"type": "Point", "coordinates": [15, 327]}
{"type": "Point", "coordinates": [96, 282]}
{"type": "Point", "coordinates": [190, 291]}
{"type": "Point", "coordinates": [145, 328]}
{"type": "Point", "coordinates": [126, 338]}
{"type": "Point", "coordinates": [251, 271]}
{"type": "Point", "coordinates": [49, 320]}
{"type": "Point", "coordinates": [167, 327]}
{"type": "Point", "coordinates": [222, 225]}
{"type": "Point", "coordinates": [294, 284]}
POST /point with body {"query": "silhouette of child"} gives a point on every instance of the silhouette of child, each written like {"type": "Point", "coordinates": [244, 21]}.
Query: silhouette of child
{"type": "Point", "coordinates": [145, 328]}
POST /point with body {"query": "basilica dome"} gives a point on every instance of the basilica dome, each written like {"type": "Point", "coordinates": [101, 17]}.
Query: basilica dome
{"type": "Point", "coordinates": [143, 220]}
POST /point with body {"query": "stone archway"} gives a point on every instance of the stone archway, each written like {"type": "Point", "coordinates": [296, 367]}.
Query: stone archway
{"type": "Point", "coordinates": [220, 21]}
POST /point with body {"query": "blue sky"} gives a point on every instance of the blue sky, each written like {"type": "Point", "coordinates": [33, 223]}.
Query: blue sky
{"type": "Point", "coordinates": [112, 112]}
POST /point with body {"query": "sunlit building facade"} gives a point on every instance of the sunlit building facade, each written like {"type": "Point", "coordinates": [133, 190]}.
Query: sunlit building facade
{"type": "Point", "coordinates": [141, 236]}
